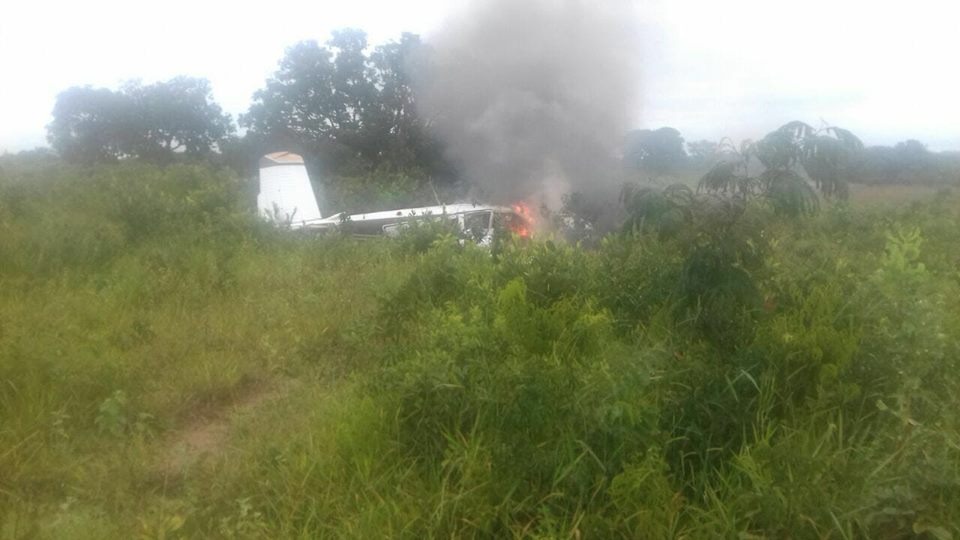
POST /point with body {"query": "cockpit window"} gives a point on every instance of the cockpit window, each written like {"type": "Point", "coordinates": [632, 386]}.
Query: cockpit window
{"type": "Point", "coordinates": [477, 224]}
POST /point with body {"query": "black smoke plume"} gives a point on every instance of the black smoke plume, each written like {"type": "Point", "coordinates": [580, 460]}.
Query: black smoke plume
{"type": "Point", "coordinates": [532, 98]}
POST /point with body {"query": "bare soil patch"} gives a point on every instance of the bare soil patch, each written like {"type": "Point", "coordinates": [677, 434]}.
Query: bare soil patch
{"type": "Point", "coordinates": [207, 434]}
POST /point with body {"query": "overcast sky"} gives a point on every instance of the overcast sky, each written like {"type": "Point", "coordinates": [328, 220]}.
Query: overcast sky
{"type": "Point", "coordinates": [886, 70]}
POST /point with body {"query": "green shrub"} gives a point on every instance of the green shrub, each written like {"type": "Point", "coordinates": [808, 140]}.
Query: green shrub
{"type": "Point", "coordinates": [713, 370]}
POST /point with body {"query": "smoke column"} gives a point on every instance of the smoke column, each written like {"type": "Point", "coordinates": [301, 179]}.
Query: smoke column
{"type": "Point", "coordinates": [532, 97]}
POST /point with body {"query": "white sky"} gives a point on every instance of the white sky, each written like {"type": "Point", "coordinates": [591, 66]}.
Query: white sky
{"type": "Point", "coordinates": [887, 70]}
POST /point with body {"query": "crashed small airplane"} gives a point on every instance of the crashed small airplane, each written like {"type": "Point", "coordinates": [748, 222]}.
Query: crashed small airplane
{"type": "Point", "coordinates": [286, 198]}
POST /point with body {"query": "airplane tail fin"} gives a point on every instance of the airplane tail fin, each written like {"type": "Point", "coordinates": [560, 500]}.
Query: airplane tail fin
{"type": "Point", "coordinates": [286, 196]}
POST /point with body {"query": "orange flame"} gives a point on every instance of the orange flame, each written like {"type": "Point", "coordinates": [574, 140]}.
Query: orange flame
{"type": "Point", "coordinates": [526, 222]}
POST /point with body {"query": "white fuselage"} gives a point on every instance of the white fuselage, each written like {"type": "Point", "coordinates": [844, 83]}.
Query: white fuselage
{"type": "Point", "coordinates": [287, 198]}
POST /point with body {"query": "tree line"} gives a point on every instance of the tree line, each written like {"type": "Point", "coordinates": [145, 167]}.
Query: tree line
{"type": "Point", "coordinates": [153, 122]}
{"type": "Point", "coordinates": [351, 111]}
{"type": "Point", "coordinates": [348, 108]}
{"type": "Point", "coordinates": [664, 152]}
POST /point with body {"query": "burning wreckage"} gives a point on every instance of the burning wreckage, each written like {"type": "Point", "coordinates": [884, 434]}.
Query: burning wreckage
{"type": "Point", "coordinates": [286, 198]}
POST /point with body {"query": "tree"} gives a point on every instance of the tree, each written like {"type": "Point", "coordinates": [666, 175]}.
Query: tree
{"type": "Point", "coordinates": [91, 125]}
{"type": "Point", "coordinates": [347, 110]}
{"type": "Point", "coordinates": [176, 116]}
{"type": "Point", "coordinates": [825, 156]}
{"type": "Point", "coordinates": [908, 162]}
{"type": "Point", "coordinates": [396, 128]}
{"type": "Point", "coordinates": [659, 151]}
{"type": "Point", "coordinates": [156, 122]}
{"type": "Point", "coordinates": [912, 154]}
{"type": "Point", "coordinates": [320, 97]}
{"type": "Point", "coordinates": [704, 151]}
{"type": "Point", "coordinates": [877, 165]}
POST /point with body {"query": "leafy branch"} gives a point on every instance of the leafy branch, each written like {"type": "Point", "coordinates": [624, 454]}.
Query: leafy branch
{"type": "Point", "coordinates": [790, 157]}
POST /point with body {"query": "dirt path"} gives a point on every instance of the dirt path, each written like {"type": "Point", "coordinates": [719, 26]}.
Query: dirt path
{"type": "Point", "coordinates": [208, 434]}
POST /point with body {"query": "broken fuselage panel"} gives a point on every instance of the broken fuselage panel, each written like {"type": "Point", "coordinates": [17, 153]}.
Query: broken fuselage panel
{"type": "Point", "coordinates": [287, 198]}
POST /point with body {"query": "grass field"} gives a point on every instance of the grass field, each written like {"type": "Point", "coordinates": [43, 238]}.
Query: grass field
{"type": "Point", "coordinates": [896, 194]}
{"type": "Point", "coordinates": [170, 368]}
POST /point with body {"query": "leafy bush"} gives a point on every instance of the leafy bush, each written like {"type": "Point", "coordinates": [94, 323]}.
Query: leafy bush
{"type": "Point", "coordinates": [716, 368]}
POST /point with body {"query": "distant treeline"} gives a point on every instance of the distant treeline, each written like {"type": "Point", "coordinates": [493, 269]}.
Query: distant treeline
{"type": "Point", "coordinates": [351, 110]}
{"type": "Point", "coordinates": [908, 162]}
{"type": "Point", "coordinates": [664, 152]}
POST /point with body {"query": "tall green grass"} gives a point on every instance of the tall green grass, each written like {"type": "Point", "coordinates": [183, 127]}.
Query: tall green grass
{"type": "Point", "coordinates": [779, 377]}
{"type": "Point", "coordinates": [133, 299]}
